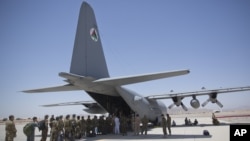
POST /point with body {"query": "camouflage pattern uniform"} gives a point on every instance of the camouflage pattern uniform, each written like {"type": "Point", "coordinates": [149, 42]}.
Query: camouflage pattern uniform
{"type": "Point", "coordinates": [144, 125]}
{"type": "Point", "coordinates": [83, 126]}
{"type": "Point", "coordinates": [60, 128]}
{"type": "Point", "coordinates": [78, 128]}
{"type": "Point", "coordinates": [67, 128]}
{"type": "Point", "coordinates": [137, 125]}
{"type": "Point", "coordinates": [124, 125]}
{"type": "Point", "coordinates": [169, 124]}
{"type": "Point", "coordinates": [101, 125]}
{"type": "Point", "coordinates": [88, 125]}
{"type": "Point", "coordinates": [95, 125]}
{"type": "Point", "coordinates": [73, 126]}
{"type": "Point", "coordinates": [164, 125]}
{"type": "Point", "coordinates": [54, 130]}
{"type": "Point", "coordinates": [10, 129]}
{"type": "Point", "coordinates": [108, 124]}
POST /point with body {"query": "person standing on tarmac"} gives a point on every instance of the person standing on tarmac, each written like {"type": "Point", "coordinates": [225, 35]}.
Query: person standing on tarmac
{"type": "Point", "coordinates": [10, 129]}
{"type": "Point", "coordinates": [45, 129]}
{"type": "Point", "coordinates": [33, 125]}
{"type": "Point", "coordinates": [137, 125]}
{"type": "Point", "coordinates": [164, 125]}
{"type": "Point", "coordinates": [144, 125]}
{"type": "Point", "coordinates": [169, 124]}
{"type": "Point", "coordinates": [67, 128]}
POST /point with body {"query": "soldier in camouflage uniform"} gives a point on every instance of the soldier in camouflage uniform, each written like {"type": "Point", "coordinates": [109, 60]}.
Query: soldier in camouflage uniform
{"type": "Point", "coordinates": [144, 125]}
{"type": "Point", "coordinates": [108, 124]}
{"type": "Point", "coordinates": [83, 126]}
{"type": "Point", "coordinates": [60, 127]}
{"type": "Point", "coordinates": [10, 129]}
{"type": "Point", "coordinates": [88, 125]}
{"type": "Point", "coordinates": [73, 126]}
{"type": "Point", "coordinates": [101, 125]}
{"type": "Point", "coordinates": [169, 124]}
{"type": "Point", "coordinates": [54, 130]}
{"type": "Point", "coordinates": [124, 123]}
{"type": "Point", "coordinates": [164, 125]}
{"type": "Point", "coordinates": [67, 128]}
{"type": "Point", "coordinates": [78, 128]}
{"type": "Point", "coordinates": [137, 125]}
{"type": "Point", "coordinates": [95, 125]}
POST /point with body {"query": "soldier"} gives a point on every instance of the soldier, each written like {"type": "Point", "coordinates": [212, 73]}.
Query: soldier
{"type": "Point", "coordinates": [67, 128]}
{"type": "Point", "coordinates": [10, 129]}
{"type": "Point", "coordinates": [169, 124]}
{"type": "Point", "coordinates": [54, 130]}
{"type": "Point", "coordinates": [144, 125]}
{"type": "Point", "coordinates": [78, 128]}
{"type": "Point", "coordinates": [124, 122]}
{"type": "Point", "coordinates": [33, 125]}
{"type": "Point", "coordinates": [73, 128]}
{"type": "Point", "coordinates": [88, 125]}
{"type": "Point", "coordinates": [101, 125]}
{"type": "Point", "coordinates": [45, 129]}
{"type": "Point", "coordinates": [51, 120]}
{"type": "Point", "coordinates": [137, 125]}
{"type": "Point", "coordinates": [164, 125]}
{"type": "Point", "coordinates": [108, 124]}
{"type": "Point", "coordinates": [83, 126]}
{"type": "Point", "coordinates": [60, 127]}
{"type": "Point", "coordinates": [95, 125]}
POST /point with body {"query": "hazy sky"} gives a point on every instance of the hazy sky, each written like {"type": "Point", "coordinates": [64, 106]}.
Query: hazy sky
{"type": "Point", "coordinates": [209, 37]}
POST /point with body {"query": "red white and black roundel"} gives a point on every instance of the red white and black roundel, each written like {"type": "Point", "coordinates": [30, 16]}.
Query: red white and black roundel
{"type": "Point", "coordinates": [93, 34]}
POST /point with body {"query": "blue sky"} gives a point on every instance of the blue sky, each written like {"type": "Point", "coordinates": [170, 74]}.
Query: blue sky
{"type": "Point", "coordinates": [211, 38]}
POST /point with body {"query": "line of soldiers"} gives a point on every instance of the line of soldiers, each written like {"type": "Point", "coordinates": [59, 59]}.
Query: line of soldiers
{"type": "Point", "coordinates": [76, 127]}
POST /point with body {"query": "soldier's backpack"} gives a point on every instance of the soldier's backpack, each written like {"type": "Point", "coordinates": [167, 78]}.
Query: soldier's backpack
{"type": "Point", "coordinates": [27, 129]}
{"type": "Point", "coordinates": [41, 125]}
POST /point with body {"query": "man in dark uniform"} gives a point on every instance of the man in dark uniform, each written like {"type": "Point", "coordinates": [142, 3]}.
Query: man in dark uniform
{"type": "Point", "coordinates": [45, 129]}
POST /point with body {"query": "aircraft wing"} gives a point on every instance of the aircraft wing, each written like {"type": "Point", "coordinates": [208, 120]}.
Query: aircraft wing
{"type": "Point", "coordinates": [178, 97]}
{"type": "Point", "coordinates": [68, 87]}
{"type": "Point", "coordinates": [118, 81]}
{"type": "Point", "coordinates": [198, 93]}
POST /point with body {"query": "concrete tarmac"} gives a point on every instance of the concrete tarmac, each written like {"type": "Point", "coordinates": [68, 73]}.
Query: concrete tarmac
{"type": "Point", "coordinates": [187, 133]}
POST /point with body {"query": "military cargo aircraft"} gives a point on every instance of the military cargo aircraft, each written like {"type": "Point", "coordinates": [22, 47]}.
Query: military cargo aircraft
{"type": "Point", "coordinates": [88, 72]}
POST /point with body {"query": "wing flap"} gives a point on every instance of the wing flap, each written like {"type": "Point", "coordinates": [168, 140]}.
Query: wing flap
{"type": "Point", "coordinates": [118, 81]}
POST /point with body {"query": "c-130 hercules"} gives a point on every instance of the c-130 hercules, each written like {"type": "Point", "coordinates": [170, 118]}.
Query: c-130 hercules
{"type": "Point", "coordinates": [88, 72]}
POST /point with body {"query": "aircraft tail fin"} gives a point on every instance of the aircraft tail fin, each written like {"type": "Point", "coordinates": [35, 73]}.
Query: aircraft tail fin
{"type": "Point", "coordinates": [88, 57]}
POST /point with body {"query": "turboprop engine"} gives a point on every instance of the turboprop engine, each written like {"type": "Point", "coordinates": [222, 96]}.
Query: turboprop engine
{"type": "Point", "coordinates": [195, 103]}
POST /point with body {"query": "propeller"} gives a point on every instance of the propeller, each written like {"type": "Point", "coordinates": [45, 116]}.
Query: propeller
{"type": "Point", "coordinates": [205, 103]}
{"type": "Point", "coordinates": [219, 103]}
{"type": "Point", "coordinates": [177, 102]}
{"type": "Point", "coordinates": [212, 98]}
{"type": "Point", "coordinates": [183, 107]}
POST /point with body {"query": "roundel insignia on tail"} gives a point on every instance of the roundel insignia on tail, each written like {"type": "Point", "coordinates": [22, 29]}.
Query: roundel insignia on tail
{"type": "Point", "coordinates": [93, 34]}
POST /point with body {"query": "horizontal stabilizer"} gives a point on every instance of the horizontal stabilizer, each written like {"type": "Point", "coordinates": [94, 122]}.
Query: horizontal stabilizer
{"type": "Point", "coordinates": [118, 81]}
{"type": "Point", "coordinates": [53, 89]}
{"type": "Point", "coordinates": [92, 107]}
{"type": "Point", "coordinates": [85, 103]}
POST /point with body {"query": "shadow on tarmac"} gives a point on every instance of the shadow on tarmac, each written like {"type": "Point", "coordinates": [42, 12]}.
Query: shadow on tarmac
{"type": "Point", "coordinates": [145, 137]}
